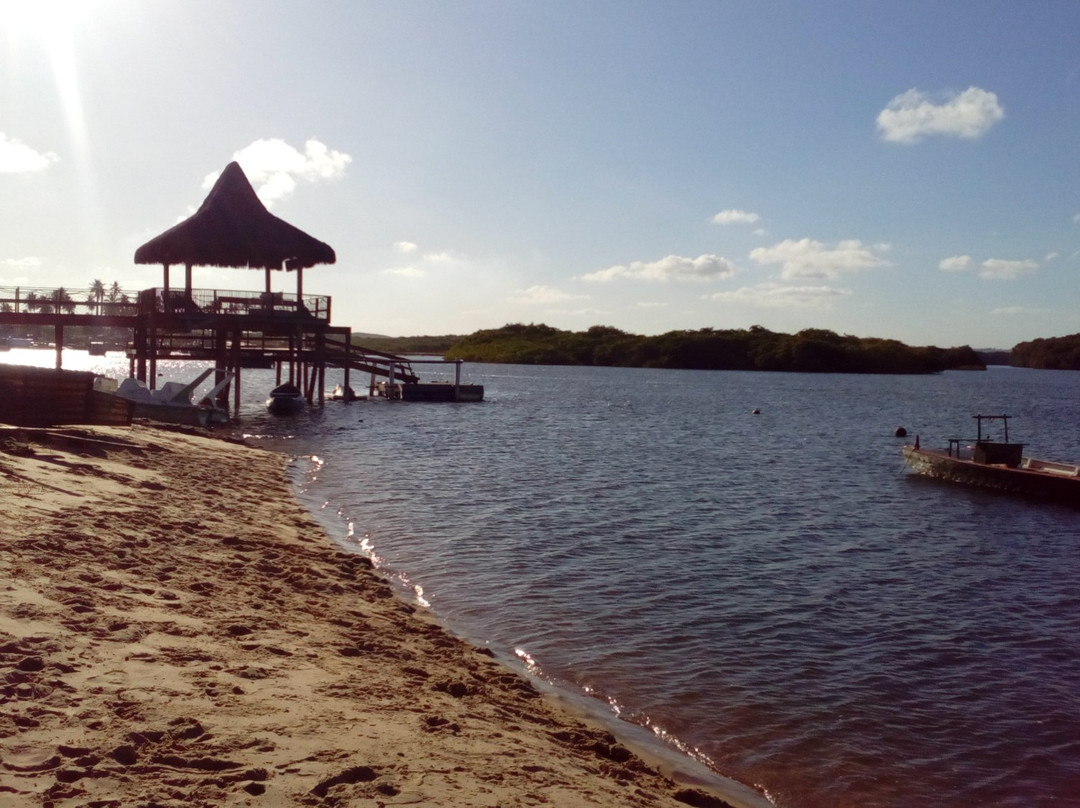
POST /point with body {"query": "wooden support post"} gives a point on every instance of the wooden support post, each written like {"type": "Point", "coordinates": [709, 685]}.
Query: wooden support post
{"type": "Point", "coordinates": [236, 370]}
{"type": "Point", "coordinates": [58, 338]}
{"type": "Point", "coordinates": [320, 366]}
{"type": "Point", "coordinates": [221, 365]}
{"type": "Point", "coordinates": [348, 362]}
{"type": "Point", "coordinates": [140, 354]}
{"type": "Point", "coordinates": [152, 381]}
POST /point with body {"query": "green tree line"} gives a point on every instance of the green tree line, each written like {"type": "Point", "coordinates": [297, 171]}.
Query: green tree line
{"type": "Point", "coordinates": [1051, 353]}
{"type": "Point", "coordinates": [812, 350]}
{"type": "Point", "coordinates": [413, 346]}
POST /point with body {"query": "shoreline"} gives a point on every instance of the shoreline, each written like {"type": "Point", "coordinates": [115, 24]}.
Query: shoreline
{"type": "Point", "coordinates": [177, 628]}
{"type": "Point", "coordinates": [674, 762]}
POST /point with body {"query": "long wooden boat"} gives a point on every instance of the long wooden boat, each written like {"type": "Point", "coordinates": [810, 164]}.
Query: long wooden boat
{"type": "Point", "coordinates": [999, 465]}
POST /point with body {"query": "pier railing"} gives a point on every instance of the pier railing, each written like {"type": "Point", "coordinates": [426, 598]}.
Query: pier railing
{"type": "Point", "coordinates": [44, 300]}
{"type": "Point", "coordinates": [59, 300]}
{"type": "Point", "coordinates": [218, 301]}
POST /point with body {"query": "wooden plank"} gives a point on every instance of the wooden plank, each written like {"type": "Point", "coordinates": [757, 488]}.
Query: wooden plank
{"type": "Point", "coordinates": [46, 397]}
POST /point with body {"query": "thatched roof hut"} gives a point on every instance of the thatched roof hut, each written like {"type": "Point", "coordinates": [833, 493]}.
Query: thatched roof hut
{"type": "Point", "coordinates": [232, 228]}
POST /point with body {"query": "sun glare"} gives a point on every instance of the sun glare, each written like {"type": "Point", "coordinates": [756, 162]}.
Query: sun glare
{"type": "Point", "coordinates": [53, 27]}
{"type": "Point", "coordinates": [40, 17]}
{"type": "Point", "coordinates": [49, 25]}
{"type": "Point", "coordinates": [52, 24]}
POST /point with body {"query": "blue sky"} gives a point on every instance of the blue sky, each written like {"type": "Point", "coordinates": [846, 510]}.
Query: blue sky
{"type": "Point", "coordinates": [904, 170]}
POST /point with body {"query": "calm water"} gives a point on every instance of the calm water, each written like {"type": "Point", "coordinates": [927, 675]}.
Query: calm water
{"type": "Point", "coordinates": [772, 592]}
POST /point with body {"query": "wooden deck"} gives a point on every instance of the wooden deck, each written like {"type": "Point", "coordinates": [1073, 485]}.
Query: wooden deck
{"type": "Point", "coordinates": [231, 329]}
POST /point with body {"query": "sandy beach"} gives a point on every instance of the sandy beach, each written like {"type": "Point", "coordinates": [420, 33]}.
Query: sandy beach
{"type": "Point", "coordinates": [176, 630]}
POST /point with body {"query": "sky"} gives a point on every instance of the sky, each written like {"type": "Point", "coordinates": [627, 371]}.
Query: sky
{"type": "Point", "coordinates": [899, 170]}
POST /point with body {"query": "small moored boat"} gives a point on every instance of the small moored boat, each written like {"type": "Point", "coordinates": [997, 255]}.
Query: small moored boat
{"type": "Point", "coordinates": [344, 393]}
{"type": "Point", "coordinates": [285, 399]}
{"type": "Point", "coordinates": [173, 402]}
{"type": "Point", "coordinates": [1000, 465]}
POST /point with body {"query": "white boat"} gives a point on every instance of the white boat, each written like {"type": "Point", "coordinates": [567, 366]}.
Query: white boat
{"type": "Point", "coordinates": [343, 393]}
{"type": "Point", "coordinates": [285, 399]}
{"type": "Point", "coordinates": [173, 402]}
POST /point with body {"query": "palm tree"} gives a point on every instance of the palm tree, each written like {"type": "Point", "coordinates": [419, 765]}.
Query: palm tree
{"type": "Point", "coordinates": [115, 293]}
{"type": "Point", "coordinates": [97, 294]}
{"type": "Point", "coordinates": [39, 304]}
{"type": "Point", "coordinates": [63, 300]}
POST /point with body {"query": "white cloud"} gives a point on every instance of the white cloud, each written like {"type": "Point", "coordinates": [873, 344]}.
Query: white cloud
{"type": "Point", "coordinates": [1051, 256]}
{"type": "Point", "coordinates": [588, 312]}
{"type": "Point", "coordinates": [999, 269]}
{"type": "Point", "coordinates": [1012, 311]}
{"type": "Point", "coordinates": [23, 263]}
{"type": "Point", "coordinates": [1076, 219]}
{"type": "Point", "coordinates": [430, 264]}
{"type": "Point", "coordinates": [774, 295]}
{"type": "Point", "coordinates": [405, 272]}
{"type": "Point", "coordinates": [955, 263]}
{"type": "Point", "coordinates": [913, 115]}
{"type": "Point", "coordinates": [444, 257]}
{"type": "Point", "coordinates": [807, 258]}
{"type": "Point", "coordinates": [542, 294]}
{"type": "Point", "coordinates": [732, 216]}
{"type": "Point", "coordinates": [672, 268]}
{"type": "Point", "coordinates": [18, 158]}
{"type": "Point", "coordinates": [273, 166]}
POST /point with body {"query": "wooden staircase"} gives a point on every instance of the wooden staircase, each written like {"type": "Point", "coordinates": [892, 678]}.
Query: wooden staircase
{"type": "Point", "coordinates": [340, 354]}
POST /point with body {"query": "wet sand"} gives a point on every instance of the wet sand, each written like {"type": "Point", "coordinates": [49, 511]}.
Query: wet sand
{"type": "Point", "coordinates": [176, 630]}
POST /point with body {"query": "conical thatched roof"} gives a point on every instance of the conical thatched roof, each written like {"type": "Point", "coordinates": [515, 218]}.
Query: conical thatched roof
{"type": "Point", "coordinates": [232, 228]}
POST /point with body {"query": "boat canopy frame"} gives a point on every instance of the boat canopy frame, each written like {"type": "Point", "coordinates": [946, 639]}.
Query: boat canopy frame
{"type": "Point", "coordinates": [986, 450]}
{"type": "Point", "coordinates": [956, 443]}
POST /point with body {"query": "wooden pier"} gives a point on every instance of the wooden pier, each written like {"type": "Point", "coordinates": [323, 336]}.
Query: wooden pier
{"type": "Point", "coordinates": [232, 329]}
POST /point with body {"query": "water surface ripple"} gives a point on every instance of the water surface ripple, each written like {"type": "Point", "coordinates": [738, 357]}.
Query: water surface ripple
{"type": "Point", "coordinates": [774, 591]}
